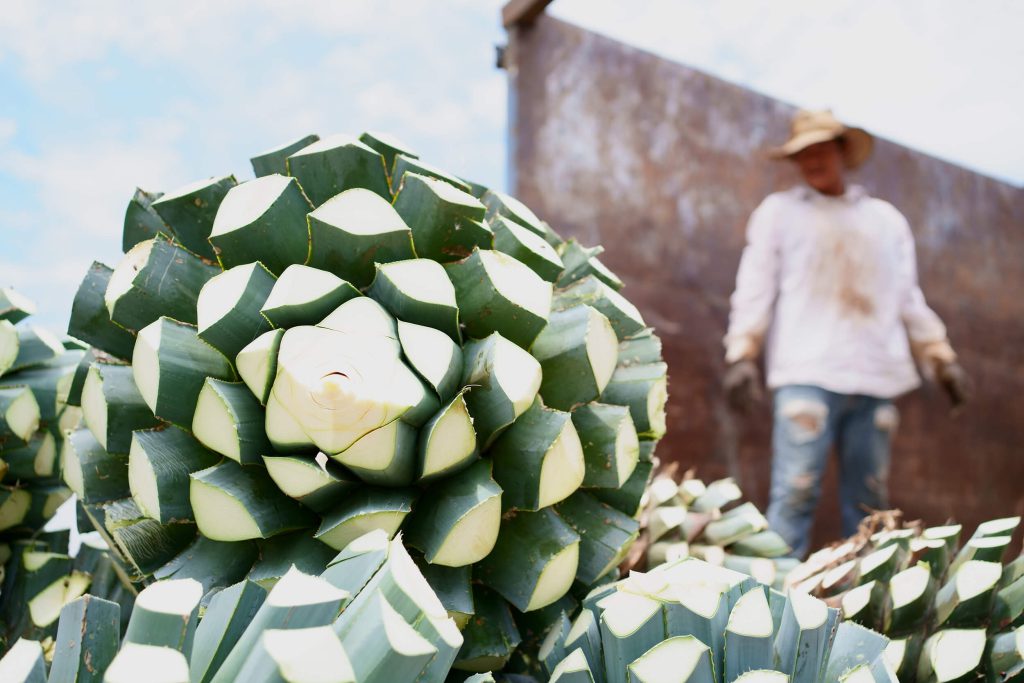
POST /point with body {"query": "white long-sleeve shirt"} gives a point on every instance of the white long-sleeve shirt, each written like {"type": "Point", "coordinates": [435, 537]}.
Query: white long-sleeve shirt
{"type": "Point", "coordinates": [829, 286]}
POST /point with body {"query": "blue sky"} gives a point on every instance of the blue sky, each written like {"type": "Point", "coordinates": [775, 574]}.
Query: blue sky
{"type": "Point", "coordinates": [100, 96]}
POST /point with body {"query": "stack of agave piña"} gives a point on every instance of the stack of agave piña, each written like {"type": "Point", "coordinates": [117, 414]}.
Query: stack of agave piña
{"type": "Point", "coordinates": [369, 616]}
{"type": "Point", "coordinates": [690, 621]}
{"type": "Point", "coordinates": [954, 612]}
{"type": "Point", "coordinates": [37, 402]}
{"type": "Point", "coordinates": [355, 341]}
{"type": "Point", "coordinates": [708, 521]}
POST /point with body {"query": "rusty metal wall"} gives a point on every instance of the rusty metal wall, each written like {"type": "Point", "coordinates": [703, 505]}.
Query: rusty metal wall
{"type": "Point", "coordinates": [663, 164]}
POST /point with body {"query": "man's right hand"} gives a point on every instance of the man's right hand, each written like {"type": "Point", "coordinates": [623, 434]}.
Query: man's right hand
{"type": "Point", "coordinates": [742, 384]}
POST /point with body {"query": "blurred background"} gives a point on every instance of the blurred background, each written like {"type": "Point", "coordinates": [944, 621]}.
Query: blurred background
{"type": "Point", "coordinates": [101, 96]}
{"type": "Point", "coordinates": [640, 125]}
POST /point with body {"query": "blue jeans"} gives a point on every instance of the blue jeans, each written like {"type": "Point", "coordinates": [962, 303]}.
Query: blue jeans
{"type": "Point", "coordinates": [808, 422]}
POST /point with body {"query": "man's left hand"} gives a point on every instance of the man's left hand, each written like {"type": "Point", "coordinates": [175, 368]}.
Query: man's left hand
{"type": "Point", "coordinates": [956, 383]}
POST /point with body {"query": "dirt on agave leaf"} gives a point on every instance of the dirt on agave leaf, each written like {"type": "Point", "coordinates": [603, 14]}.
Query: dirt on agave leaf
{"type": "Point", "coordinates": [843, 550]}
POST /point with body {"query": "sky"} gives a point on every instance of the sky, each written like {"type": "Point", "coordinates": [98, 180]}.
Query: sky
{"type": "Point", "coordinates": [100, 96]}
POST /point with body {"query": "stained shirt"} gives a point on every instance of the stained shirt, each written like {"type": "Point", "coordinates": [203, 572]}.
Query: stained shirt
{"type": "Point", "coordinates": [828, 285]}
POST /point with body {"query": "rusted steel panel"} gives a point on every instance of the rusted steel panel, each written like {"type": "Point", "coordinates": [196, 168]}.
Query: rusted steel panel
{"type": "Point", "coordinates": [522, 11]}
{"type": "Point", "coordinates": [663, 165]}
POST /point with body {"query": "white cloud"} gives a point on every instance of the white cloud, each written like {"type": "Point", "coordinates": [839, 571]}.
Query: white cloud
{"type": "Point", "coordinates": [87, 186]}
{"type": "Point", "coordinates": [243, 70]}
{"type": "Point", "coordinates": [82, 191]}
{"type": "Point", "coordinates": [8, 127]}
{"type": "Point", "coordinates": [156, 95]}
{"type": "Point", "coordinates": [51, 278]}
{"type": "Point", "coordinates": [190, 31]}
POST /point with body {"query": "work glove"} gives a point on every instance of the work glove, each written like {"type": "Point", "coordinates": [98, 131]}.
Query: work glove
{"type": "Point", "coordinates": [955, 382]}
{"type": "Point", "coordinates": [742, 385]}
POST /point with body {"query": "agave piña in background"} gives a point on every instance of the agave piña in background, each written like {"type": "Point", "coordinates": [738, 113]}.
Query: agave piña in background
{"type": "Point", "coordinates": [39, 391]}
{"type": "Point", "coordinates": [953, 610]}
{"type": "Point", "coordinates": [709, 522]}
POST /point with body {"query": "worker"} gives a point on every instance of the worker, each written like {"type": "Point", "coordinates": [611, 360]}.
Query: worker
{"type": "Point", "coordinates": [827, 287]}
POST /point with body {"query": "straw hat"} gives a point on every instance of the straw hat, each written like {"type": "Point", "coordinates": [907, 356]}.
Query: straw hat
{"type": "Point", "coordinates": [811, 127]}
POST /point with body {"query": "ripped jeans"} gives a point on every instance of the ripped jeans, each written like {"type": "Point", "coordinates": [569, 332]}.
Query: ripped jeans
{"type": "Point", "coordinates": [808, 422]}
